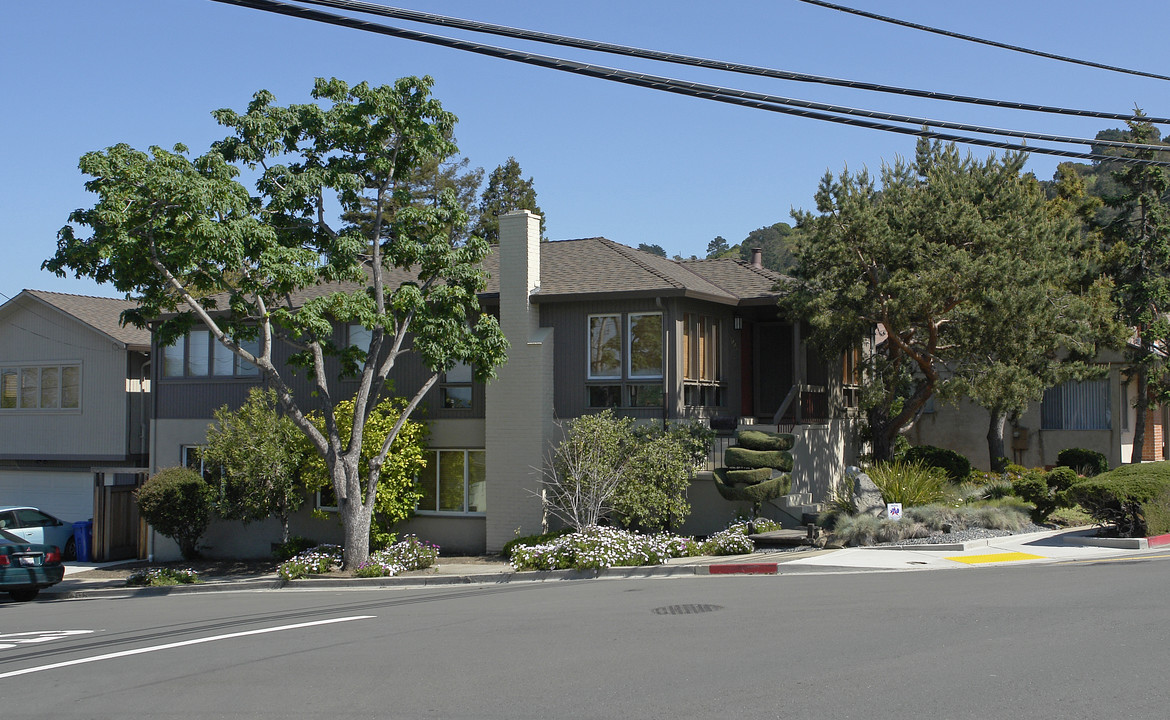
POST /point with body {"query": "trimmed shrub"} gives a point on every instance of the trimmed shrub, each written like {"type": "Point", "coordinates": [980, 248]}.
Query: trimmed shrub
{"type": "Point", "coordinates": [1061, 478]}
{"type": "Point", "coordinates": [1086, 462]}
{"type": "Point", "coordinates": [956, 466]}
{"type": "Point", "coordinates": [760, 440]}
{"type": "Point", "coordinates": [1045, 490]}
{"type": "Point", "coordinates": [177, 503]}
{"type": "Point", "coordinates": [750, 477]}
{"type": "Point", "coordinates": [909, 483]}
{"type": "Point", "coordinates": [737, 457]}
{"type": "Point", "coordinates": [1127, 497]}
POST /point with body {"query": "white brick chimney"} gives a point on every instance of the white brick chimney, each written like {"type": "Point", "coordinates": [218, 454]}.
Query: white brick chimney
{"type": "Point", "coordinates": [519, 412]}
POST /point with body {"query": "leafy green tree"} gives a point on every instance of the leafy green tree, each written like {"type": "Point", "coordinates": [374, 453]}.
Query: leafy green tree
{"type": "Point", "coordinates": [717, 247]}
{"type": "Point", "coordinates": [192, 245]}
{"type": "Point", "coordinates": [933, 259]}
{"type": "Point", "coordinates": [653, 491]}
{"type": "Point", "coordinates": [177, 502]}
{"type": "Point", "coordinates": [777, 243]}
{"type": "Point", "coordinates": [586, 469]}
{"type": "Point", "coordinates": [652, 249]}
{"type": "Point", "coordinates": [259, 453]}
{"type": "Point", "coordinates": [1138, 241]}
{"type": "Point", "coordinates": [506, 190]}
{"type": "Point", "coordinates": [398, 491]}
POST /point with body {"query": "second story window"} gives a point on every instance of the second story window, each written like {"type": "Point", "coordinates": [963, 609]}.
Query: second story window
{"type": "Point", "coordinates": [456, 387]}
{"type": "Point", "coordinates": [40, 387]}
{"type": "Point", "coordinates": [702, 364]}
{"type": "Point", "coordinates": [605, 346]}
{"type": "Point", "coordinates": [625, 371]}
{"type": "Point", "coordinates": [199, 354]}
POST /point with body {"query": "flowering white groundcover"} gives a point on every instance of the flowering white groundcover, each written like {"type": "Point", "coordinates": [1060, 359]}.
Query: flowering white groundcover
{"type": "Point", "coordinates": [410, 553]}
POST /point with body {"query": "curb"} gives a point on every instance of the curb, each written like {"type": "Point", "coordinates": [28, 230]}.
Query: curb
{"type": "Point", "coordinates": [56, 592]}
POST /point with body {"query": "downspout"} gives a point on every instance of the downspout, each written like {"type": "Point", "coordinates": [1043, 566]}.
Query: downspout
{"type": "Point", "coordinates": [665, 411]}
{"type": "Point", "coordinates": [144, 440]}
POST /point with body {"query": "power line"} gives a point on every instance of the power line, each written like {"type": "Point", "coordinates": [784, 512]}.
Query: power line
{"type": "Point", "coordinates": [611, 48]}
{"type": "Point", "coordinates": [982, 41]}
{"type": "Point", "coordinates": [736, 97]}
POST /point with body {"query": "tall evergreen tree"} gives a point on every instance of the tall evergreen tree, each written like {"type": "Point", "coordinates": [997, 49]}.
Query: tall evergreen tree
{"type": "Point", "coordinates": [935, 259]}
{"type": "Point", "coordinates": [506, 190]}
{"type": "Point", "coordinates": [1138, 242]}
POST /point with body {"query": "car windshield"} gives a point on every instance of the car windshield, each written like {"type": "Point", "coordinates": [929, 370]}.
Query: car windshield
{"type": "Point", "coordinates": [9, 537]}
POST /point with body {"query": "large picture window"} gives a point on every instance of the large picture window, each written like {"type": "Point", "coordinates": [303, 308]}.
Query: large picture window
{"type": "Point", "coordinates": [40, 387]}
{"type": "Point", "coordinates": [1076, 405]}
{"type": "Point", "coordinates": [199, 354]}
{"type": "Point", "coordinates": [454, 481]}
{"type": "Point", "coordinates": [605, 346]}
{"type": "Point", "coordinates": [637, 359]}
{"type": "Point", "coordinates": [645, 345]}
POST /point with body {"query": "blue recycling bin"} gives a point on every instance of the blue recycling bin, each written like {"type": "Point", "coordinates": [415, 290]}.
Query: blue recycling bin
{"type": "Point", "coordinates": [82, 539]}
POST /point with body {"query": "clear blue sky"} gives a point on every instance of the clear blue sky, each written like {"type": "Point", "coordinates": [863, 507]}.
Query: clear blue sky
{"type": "Point", "coordinates": [629, 164]}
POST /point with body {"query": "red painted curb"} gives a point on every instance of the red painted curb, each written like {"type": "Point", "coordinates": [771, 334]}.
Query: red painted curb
{"type": "Point", "coordinates": [1158, 540]}
{"type": "Point", "coordinates": [744, 569]}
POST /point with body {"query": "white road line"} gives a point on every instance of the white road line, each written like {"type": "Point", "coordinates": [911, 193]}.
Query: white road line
{"type": "Point", "coordinates": [168, 646]}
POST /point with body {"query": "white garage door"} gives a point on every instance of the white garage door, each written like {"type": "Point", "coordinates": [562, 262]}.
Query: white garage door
{"type": "Point", "coordinates": [67, 495]}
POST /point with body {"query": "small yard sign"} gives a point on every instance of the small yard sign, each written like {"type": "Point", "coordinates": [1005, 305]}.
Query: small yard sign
{"type": "Point", "coordinates": [894, 511]}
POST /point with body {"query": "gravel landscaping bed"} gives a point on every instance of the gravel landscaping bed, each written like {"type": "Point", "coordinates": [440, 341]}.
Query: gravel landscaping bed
{"type": "Point", "coordinates": [968, 534]}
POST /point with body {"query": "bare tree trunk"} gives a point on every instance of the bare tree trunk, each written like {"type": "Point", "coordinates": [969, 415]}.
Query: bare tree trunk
{"type": "Point", "coordinates": [995, 440]}
{"type": "Point", "coordinates": [1141, 405]}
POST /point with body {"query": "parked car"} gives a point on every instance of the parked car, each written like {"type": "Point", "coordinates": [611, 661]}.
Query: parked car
{"type": "Point", "coordinates": [27, 567]}
{"type": "Point", "coordinates": [39, 527]}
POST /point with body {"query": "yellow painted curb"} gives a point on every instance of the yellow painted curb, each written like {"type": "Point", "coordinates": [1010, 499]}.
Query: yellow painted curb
{"type": "Point", "coordinates": [994, 558]}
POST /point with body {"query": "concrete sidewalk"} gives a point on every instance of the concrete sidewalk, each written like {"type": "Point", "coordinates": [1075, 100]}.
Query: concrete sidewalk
{"type": "Point", "coordinates": [1044, 547]}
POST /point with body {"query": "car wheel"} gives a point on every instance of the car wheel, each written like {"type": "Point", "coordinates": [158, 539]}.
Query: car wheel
{"type": "Point", "coordinates": [24, 595]}
{"type": "Point", "coordinates": [70, 551]}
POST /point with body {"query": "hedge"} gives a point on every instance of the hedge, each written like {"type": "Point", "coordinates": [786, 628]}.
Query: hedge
{"type": "Point", "coordinates": [1086, 462]}
{"type": "Point", "coordinates": [737, 457]}
{"type": "Point", "coordinates": [1132, 497]}
{"type": "Point", "coordinates": [956, 466]}
{"type": "Point", "coordinates": [760, 440]}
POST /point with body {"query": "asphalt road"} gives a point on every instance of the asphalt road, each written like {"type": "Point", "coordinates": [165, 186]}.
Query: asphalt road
{"type": "Point", "coordinates": [1076, 640]}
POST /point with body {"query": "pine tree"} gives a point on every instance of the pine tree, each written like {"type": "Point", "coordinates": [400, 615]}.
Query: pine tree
{"type": "Point", "coordinates": [506, 190]}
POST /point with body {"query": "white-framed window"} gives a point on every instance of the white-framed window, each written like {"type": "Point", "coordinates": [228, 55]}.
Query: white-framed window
{"type": "Point", "coordinates": [1076, 405]}
{"type": "Point", "coordinates": [455, 389]}
{"type": "Point", "coordinates": [199, 354]}
{"type": "Point", "coordinates": [41, 387]}
{"type": "Point", "coordinates": [192, 457]}
{"type": "Point", "coordinates": [628, 382]}
{"type": "Point", "coordinates": [326, 499]}
{"type": "Point", "coordinates": [645, 345]}
{"type": "Point", "coordinates": [359, 337]}
{"type": "Point", "coordinates": [605, 346]}
{"type": "Point", "coordinates": [454, 482]}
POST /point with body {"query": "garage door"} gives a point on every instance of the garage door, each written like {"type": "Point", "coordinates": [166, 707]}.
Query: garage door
{"type": "Point", "coordinates": [67, 495]}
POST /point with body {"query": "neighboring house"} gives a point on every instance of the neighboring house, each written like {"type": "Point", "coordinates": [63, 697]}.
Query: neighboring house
{"type": "Point", "coordinates": [74, 398]}
{"type": "Point", "coordinates": [591, 325]}
{"type": "Point", "coordinates": [1094, 414]}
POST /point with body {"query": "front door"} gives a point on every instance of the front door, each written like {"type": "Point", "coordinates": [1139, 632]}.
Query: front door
{"type": "Point", "coordinates": [773, 367]}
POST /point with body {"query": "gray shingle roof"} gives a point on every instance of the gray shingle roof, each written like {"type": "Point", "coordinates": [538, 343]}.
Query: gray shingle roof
{"type": "Point", "coordinates": [595, 267]}
{"type": "Point", "coordinates": [102, 314]}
